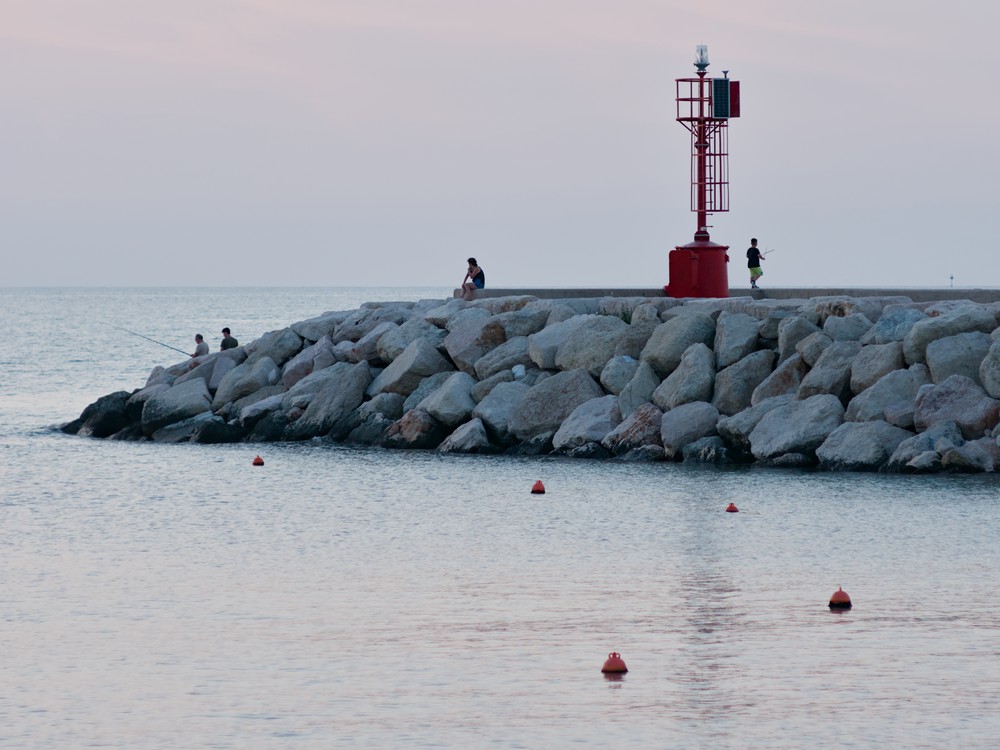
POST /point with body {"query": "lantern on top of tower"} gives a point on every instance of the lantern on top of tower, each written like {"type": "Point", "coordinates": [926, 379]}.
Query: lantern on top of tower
{"type": "Point", "coordinates": [705, 106]}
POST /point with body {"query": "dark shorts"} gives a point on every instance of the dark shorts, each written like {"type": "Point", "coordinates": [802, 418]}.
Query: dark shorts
{"type": "Point", "coordinates": [478, 283]}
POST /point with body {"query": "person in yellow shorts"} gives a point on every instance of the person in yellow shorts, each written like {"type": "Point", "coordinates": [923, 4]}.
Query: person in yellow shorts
{"type": "Point", "coordinates": [754, 257]}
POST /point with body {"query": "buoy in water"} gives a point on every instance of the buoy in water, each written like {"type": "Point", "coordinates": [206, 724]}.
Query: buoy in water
{"type": "Point", "coordinates": [614, 664]}
{"type": "Point", "coordinates": [258, 461]}
{"type": "Point", "coordinates": [840, 599]}
{"type": "Point", "coordinates": [731, 508]}
{"type": "Point", "coordinates": [538, 488]}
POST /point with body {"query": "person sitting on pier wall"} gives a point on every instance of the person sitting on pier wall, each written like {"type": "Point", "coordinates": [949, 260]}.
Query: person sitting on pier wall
{"type": "Point", "coordinates": [475, 278]}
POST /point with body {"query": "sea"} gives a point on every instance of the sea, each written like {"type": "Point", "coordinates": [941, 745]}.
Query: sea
{"type": "Point", "coordinates": [176, 596]}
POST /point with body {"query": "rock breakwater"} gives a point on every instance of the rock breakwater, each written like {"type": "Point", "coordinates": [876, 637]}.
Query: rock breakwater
{"type": "Point", "coordinates": [841, 383]}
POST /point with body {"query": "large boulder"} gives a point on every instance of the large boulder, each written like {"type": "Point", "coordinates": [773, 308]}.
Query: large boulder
{"type": "Point", "coordinates": [735, 337]}
{"type": "Point", "coordinates": [874, 361]}
{"type": "Point", "coordinates": [467, 438]}
{"type": "Point", "coordinates": [179, 402]}
{"type": "Point", "coordinates": [388, 405]}
{"type": "Point", "coordinates": [106, 416]}
{"type": "Point", "coordinates": [960, 400]}
{"type": "Point", "coordinates": [848, 328]}
{"type": "Point", "coordinates": [482, 389]}
{"type": "Point", "coordinates": [735, 430]}
{"type": "Point", "coordinates": [860, 446]}
{"type": "Point", "coordinates": [212, 368]}
{"type": "Point", "coordinates": [800, 426]}
{"type": "Point", "coordinates": [316, 328]}
{"type": "Point", "coordinates": [252, 413]}
{"type": "Point", "coordinates": [973, 457]}
{"type": "Point", "coordinates": [735, 385]}
{"type": "Point", "coordinates": [791, 331]}
{"type": "Point", "coordinates": [639, 389]}
{"type": "Point", "coordinates": [961, 354]}
{"type": "Point", "coordinates": [183, 431]}
{"type": "Point", "coordinates": [415, 429]}
{"type": "Point", "coordinates": [451, 404]}
{"type": "Point", "coordinates": [832, 372]}
{"type": "Point", "coordinates": [942, 435]}
{"type": "Point", "coordinates": [544, 345]}
{"type": "Point", "coordinates": [811, 348]}
{"type": "Point", "coordinates": [332, 403]}
{"type": "Point", "coordinates": [514, 351]}
{"type": "Point", "coordinates": [523, 322]}
{"type": "Point", "coordinates": [395, 340]}
{"type": "Point", "coordinates": [895, 323]}
{"type": "Point", "coordinates": [692, 380]}
{"type": "Point", "coordinates": [785, 379]}
{"type": "Point", "coordinates": [300, 394]}
{"type": "Point", "coordinates": [962, 320]}
{"type": "Point", "coordinates": [893, 388]}
{"type": "Point", "coordinates": [471, 339]}
{"type": "Point", "coordinates": [989, 369]}
{"type": "Point", "coordinates": [685, 424]}
{"type": "Point", "coordinates": [365, 349]}
{"type": "Point", "coordinates": [641, 428]}
{"type": "Point", "coordinates": [670, 340]}
{"type": "Point", "coordinates": [548, 403]}
{"type": "Point", "coordinates": [496, 408]}
{"type": "Point", "coordinates": [278, 346]}
{"type": "Point", "coordinates": [842, 306]}
{"type": "Point", "coordinates": [419, 360]}
{"type": "Point", "coordinates": [244, 379]}
{"type": "Point", "coordinates": [133, 406]}
{"type": "Point", "coordinates": [618, 372]}
{"type": "Point", "coordinates": [314, 357]}
{"type": "Point", "coordinates": [368, 317]}
{"type": "Point", "coordinates": [427, 386]}
{"type": "Point", "coordinates": [590, 422]}
{"type": "Point", "coordinates": [634, 338]}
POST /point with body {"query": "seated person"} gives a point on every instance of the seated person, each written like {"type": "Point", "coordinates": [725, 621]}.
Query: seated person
{"type": "Point", "coordinates": [475, 278]}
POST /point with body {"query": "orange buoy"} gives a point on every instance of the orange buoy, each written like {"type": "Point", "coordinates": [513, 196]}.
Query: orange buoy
{"type": "Point", "coordinates": [538, 488]}
{"type": "Point", "coordinates": [731, 508]}
{"type": "Point", "coordinates": [840, 599]}
{"type": "Point", "coordinates": [258, 461]}
{"type": "Point", "coordinates": [614, 664]}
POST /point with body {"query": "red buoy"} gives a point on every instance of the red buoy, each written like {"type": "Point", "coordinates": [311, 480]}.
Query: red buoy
{"type": "Point", "coordinates": [840, 599]}
{"type": "Point", "coordinates": [732, 508]}
{"type": "Point", "coordinates": [258, 461]}
{"type": "Point", "coordinates": [538, 488]}
{"type": "Point", "coordinates": [614, 664]}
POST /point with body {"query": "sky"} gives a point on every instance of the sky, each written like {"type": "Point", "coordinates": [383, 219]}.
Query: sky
{"type": "Point", "coordinates": [383, 142]}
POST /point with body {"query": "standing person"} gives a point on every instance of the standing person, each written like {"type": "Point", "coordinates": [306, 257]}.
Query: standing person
{"type": "Point", "coordinates": [201, 348]}
{"type": "Point", "coordinates": [475, 279]}
{"type": "Point", "coordinates": [754, 257]}
{"type": "Point", "coordinates": [228, 342]}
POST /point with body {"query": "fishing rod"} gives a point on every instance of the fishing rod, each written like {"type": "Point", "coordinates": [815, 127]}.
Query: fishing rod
{"type": "Point", "coordinates": [147, 338]}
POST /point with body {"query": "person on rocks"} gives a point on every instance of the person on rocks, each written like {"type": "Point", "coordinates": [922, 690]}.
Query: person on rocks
{"type": "Point", "coordinates": [201, 347]}
{"type": "Point", "coordinates": [475, 279]}
{"type": "Point", "coordinates": [754, 257]}
{"type": "Point", "coordinates": [228, 341]}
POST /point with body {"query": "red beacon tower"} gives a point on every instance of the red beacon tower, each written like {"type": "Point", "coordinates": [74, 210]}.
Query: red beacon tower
{"type": "Point", "coordinates": [704, 106]}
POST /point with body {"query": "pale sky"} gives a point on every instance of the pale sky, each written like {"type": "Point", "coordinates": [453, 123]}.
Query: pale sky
{"type": "Point", "coordinates": [382, 142]}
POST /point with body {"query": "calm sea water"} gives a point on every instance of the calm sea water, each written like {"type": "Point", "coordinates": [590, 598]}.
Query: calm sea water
{"type": "Point", "coordinates": [175, 596]}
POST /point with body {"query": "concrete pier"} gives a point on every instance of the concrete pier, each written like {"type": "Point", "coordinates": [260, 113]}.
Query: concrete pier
{"type": "Point", "coordinates": [917, 294]}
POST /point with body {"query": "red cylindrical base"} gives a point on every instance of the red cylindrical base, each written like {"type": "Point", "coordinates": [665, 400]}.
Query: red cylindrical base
{"type": "Point", "coordinates": [698, 269]}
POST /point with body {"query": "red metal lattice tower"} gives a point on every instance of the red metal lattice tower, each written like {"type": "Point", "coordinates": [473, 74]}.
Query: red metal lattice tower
{"type": "Point", "coordinates": [704, 106]}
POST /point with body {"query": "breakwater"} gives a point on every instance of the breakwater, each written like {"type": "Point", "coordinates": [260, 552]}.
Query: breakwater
{"type": "Point", "coordinates": [840, 382]}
